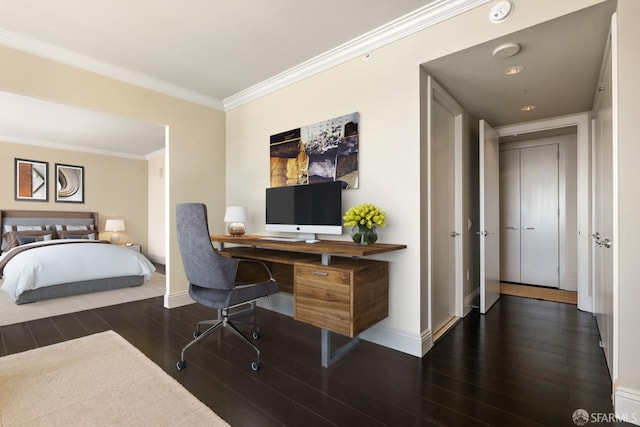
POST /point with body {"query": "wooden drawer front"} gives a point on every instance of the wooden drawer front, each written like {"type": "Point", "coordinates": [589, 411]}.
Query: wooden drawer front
{"type": "Point", "coordinates": [322, 297]}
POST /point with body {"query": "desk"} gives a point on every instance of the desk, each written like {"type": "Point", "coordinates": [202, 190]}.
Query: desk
{"type": "Point", "coordinates": [332, 287]}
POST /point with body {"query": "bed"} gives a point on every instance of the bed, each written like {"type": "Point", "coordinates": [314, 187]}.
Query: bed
{"type": "Point", "coordinates": [51, 254]}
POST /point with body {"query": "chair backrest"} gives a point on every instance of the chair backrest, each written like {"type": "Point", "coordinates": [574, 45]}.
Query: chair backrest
{"type": "Point", "coordinates": [202, 265]}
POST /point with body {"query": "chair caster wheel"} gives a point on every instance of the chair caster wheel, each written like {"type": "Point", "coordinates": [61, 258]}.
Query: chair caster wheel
{"type": "Point", "coordinates": [181, 365]}
{"type": "Point", "coordinates": [256, 334]}
{"type": "Point", "coordinates": [196, 334]}
{"type": "Point", "coordinates": [255, 366]}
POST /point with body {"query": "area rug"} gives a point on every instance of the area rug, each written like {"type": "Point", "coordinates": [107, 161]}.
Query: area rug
{"type": "Point", "coordinates": [11, 313]}
{"type": "Point", "coordinates": [97, 380]}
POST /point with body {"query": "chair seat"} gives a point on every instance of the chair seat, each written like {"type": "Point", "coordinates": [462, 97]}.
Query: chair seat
{"type": "Point", "coordinates": [223, 298]}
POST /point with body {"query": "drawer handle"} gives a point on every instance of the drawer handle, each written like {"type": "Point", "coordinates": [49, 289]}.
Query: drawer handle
{"type": "Point", "coordinates": [320, 273]}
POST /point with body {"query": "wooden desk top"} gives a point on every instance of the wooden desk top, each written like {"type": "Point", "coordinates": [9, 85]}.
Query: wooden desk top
{"type": "Point", "coordinates": [332, 247]}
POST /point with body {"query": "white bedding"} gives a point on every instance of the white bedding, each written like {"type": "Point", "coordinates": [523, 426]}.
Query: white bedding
{"type": "Point", "coordinates": [64, 263]}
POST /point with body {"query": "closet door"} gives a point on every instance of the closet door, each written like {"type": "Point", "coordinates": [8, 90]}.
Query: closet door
{"type": "Point", "coordinates": [510, 215]}
{"type": "Point", "coordinates": [539, 215]}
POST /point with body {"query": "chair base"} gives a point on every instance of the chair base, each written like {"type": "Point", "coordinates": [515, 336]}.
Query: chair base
{"type": "Point", "coordinates": [224, 321]}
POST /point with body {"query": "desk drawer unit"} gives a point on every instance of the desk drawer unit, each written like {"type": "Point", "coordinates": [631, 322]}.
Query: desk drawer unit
{"type": "Point", "coordinates": [345, 297]}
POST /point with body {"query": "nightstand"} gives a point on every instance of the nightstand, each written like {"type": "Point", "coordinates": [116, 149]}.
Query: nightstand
{"type": "Point", "coordinates": [133, 246]}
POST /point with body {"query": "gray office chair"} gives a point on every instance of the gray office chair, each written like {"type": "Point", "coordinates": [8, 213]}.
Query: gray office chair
{"type": "Point", "coordinates": [212, 278]}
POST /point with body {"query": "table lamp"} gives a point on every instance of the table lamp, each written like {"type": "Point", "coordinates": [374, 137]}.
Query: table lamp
{"type": "Point", "coordinates": [114, 225]}
{"type": "Point", "coordinates": [236, 216]}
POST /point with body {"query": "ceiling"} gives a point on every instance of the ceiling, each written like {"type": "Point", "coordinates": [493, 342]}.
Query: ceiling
{"type": "Point", "coordinates": [562, 60]}
{"type": "Point", "coordinates": [213, 51]}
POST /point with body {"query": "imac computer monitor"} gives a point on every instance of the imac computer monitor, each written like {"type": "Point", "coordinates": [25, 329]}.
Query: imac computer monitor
{"type": "Point", "coordinates": [305, 209]}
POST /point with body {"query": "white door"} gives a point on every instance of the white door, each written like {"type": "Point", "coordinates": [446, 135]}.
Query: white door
{"type": "Point", "coordinates": [442, 216]}
{"type": "Point", "coordinates": [539, 212]}
{"type": "Point", "coordinates": [603, 218]}
{"type": "Point", "coordinates": [489, 217]}
{"type": "Point", "coordinates": [444, 147]}
{"type": "Point", "coordinates": [510, 215]}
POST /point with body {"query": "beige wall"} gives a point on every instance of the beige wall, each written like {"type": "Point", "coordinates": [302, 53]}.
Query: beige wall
{"type": "Point", "coordinates": [196, 143]}
{"type": "Point", "coordinates": [627, 296]}
{"type": "Point", "coordinates": [115, 187]}
{"type": "Point", "coordinates": [385, 90]}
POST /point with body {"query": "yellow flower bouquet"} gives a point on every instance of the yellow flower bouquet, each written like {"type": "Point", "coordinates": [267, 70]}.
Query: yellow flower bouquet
{"type": "Point", "coordinates": [364, 219]}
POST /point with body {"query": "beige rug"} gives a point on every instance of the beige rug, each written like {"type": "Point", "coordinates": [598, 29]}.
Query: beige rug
{"type": "Point", "coordinates": [11, 313]}
{"type": "Point", "coordinates": [98, 380]}
{"type": "Point", "coordinates": [547, 294]}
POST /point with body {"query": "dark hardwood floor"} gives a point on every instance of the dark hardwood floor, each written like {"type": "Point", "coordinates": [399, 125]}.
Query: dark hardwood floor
{"type": "Point", "coordinates": [527, 362]}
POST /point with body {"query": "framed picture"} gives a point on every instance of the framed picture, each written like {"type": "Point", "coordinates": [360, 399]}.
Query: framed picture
{"type": "Point", "coordinates": [69, 183]}
{"type": "Point", "coordinates": [31, 181]}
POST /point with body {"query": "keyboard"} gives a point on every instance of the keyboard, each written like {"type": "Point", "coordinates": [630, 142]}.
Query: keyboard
{"type": "Point", "coordinates": [282, 239]}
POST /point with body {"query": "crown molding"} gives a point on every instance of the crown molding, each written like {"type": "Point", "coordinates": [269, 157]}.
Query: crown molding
{"type": "Point", "coordinates": [427, 16]}
{"type": "Point", "coordinates": [71, 147]}
{"type": "Point", "coordinates": [38, 48]}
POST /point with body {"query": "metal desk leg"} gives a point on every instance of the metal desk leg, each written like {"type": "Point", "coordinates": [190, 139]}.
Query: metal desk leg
{"type": "Point", "coordinates": [328, 358]}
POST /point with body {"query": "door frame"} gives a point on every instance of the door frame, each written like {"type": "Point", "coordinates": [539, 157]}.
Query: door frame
{"type": "Point", "coordinates": [582, 122]}
{"type": "Point", "coordinates": [436, 92]}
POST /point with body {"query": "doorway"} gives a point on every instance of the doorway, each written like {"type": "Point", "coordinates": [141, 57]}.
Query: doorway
{"type": "Point", "coordinates": [530, 216]}
{"type": "Point", "coordinates": [565, 130]}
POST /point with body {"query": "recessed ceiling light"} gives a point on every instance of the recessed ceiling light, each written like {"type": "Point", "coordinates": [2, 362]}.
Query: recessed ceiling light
{"type": "Point", "coordinates": [528, 108]}
{"type": "Point", "coordinates": [514, 70]}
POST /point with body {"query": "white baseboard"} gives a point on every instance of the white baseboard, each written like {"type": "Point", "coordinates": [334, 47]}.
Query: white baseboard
{"type": "Point", "coordinates": [627, 405]}
{"type": "Point", "coordinates": [406, 342]}
{"type": "Point", "coordinates": [177, 299]}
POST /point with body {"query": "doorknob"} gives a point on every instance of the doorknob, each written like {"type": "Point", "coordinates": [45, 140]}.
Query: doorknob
{"type": "Point", "coordinates": [511, 228]}
{"type": "Point", "coordinates": [454, 234]}
{"type": "Point", "coordinates": [595, 235]}
{"type": "Point", "coordinates": [482, 233]}
{"type": "Point", "coordinates": [529, 228]}
{"type": "Point", "coordinates": [606, 243]}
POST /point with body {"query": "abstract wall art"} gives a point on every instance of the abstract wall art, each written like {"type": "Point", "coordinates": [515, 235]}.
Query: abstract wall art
{"type": "Point", "coordinates": [69, 183]}
{"type": "Point", "coordinates": [321, 152]}
{"type": "Point", "coordinates": [31, 180]}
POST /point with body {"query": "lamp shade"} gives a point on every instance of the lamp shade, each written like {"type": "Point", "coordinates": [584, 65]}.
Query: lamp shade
{"type": "Point", "coordinates": [114, 225]}
{"type": "Point", "coordinates": [236, 214]}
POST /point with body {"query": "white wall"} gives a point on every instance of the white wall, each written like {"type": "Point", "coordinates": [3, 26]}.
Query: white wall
{"type": "Point", "coordinates": [385, 90]}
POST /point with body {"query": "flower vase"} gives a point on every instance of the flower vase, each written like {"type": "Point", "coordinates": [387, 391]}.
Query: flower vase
{"type": "Point", "coordinates": [363, 235]}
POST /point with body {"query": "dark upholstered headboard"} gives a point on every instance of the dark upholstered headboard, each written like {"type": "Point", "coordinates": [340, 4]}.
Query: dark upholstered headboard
{"type": "Point", "coordinates": [50, 218]}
